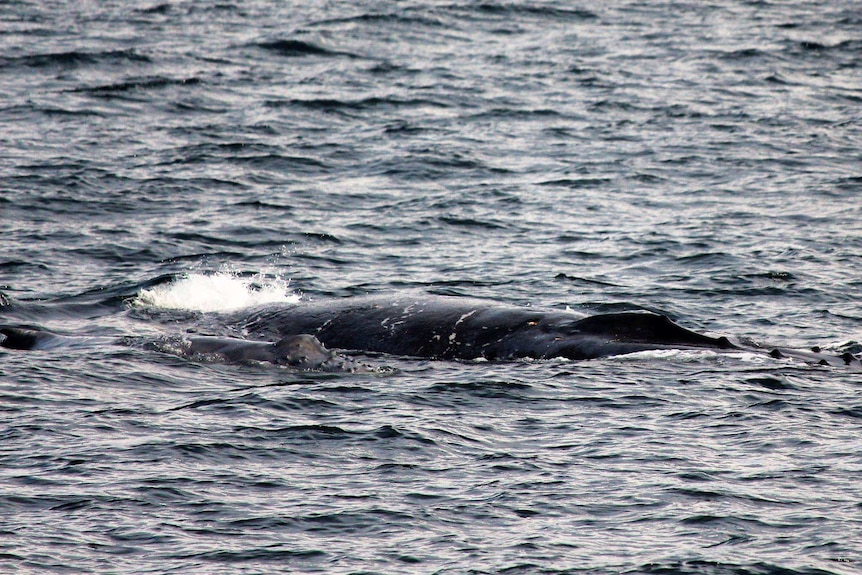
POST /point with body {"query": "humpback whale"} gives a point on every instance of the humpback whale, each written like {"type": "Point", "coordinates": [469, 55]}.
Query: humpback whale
{"type": "Point", "coordinates": [303, 335]}
{"type": "Point", "coordinates": [302, 351]}
{"type": "Point", "coordinates": [441, 327]}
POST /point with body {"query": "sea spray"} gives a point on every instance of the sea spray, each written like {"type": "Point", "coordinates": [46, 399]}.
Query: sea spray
{"type": "Point", "coordinates": [219, 291]}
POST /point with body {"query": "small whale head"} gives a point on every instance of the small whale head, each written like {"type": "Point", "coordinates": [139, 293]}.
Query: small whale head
{"type": "Point", "coordinates": [306, 352]}
{"type": "Point", "coordinates": [301, 351]}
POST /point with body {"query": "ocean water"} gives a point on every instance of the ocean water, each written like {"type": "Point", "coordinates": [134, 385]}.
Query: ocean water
{"type": "Point", "coordinates": [164, 161]}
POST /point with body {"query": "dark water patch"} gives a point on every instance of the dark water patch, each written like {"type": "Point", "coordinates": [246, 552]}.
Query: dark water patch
{"type": "Point", "coordinates": [778, 80]}
{"type": "Point", "coordinates": [149, 193]}
{"type": "Point", "coordinates": [322, 237]}
{"type": "Point", "coordinates": [620, 306]}
{"type": "Point", "coordinates": [162, 494]}
{"type": "Point", "coordinates": [398, 469]}
{"type": "Point", "coordinates": [772, 405]}
{"type": "Point", "coordinates": [391, 69]}
{"type": "Point", "coordinates": [281, 163]}
{"type": "Point", "coordinates": [507, 463]}
{"type": "Point", "coordinates": [310, 432]}
{"type": "Point", "coordinates": [850, 48]}
{"type": "Point", "coordinates": [470, 223]}
{"type": "Point", "coordinates": [220, 404]}
{"type": "Point", "coordinates": [369, 522]}
{"type": "Point", "coordinates": [487, 389]}
{"type": "Point", "coordinates": [779, 276]}
{"type": "Point", "coordinates": [298, 49]}
{"type": "Point", "coordinates": [231, 237]}
{"type": "Point", "coordinates": [372, 103]}
{"type": "Point", "coordinates": [714, 521]}
{"type": "Point", "coordinates": [264, 555]}
{"type": "Point", "coordinates": [407, 17]}
{"type": "Point", "coordinates": [405, 128]}
{"type": "Point", "coordinates": [626, 109]}
{"type": "Point", "coordinates": [265, 205]}
{"type": "Point", "coordinates": [93, 304]}
{"type": "Point", "coordinates": [252, 153]}
{"type": "Point", "coordinates": [431, 164]}
{"type": "Point", "coordinates": [648, 178]}
{"type": "Point", "coordinates": [598, 401]}
{"type": "Point", "coordinates": [59, 503]}
{"type": "Point", "coordinates": [457, 287]}
{"type": "Point", "coordinates": [577, 183]}
{"type": "Point", "coordinates": [745, 289]}
{"type": "Point", "coordinates": [333, 260]}
{"type": "Point", "coordinates": [71, 506]}
{"type": "Point", "coordinates": [701, 494]}
{"type": "Point", "coordinates": [854, 412]}
{"type": "Point", "coordinates": [389, 432]}
{"type": "Point", "coordinates": [214, 451]}
{"type": "Point", "coordinates": [700, 476]}
{"type": "Point", "coordinates": [160, 9]}
{"type": "Point", "coordinates": [772, 383]}
{"type": "Point", "coordinates": [137, 88]}
{"type": "Point", "coordinates": [75, 58]}
{"type": "Point", "coordinates": [588, 281]}
{"type": "Point", "coordinates": [260, 524]}
{"type": "Point", "coordinates": [70, 111]}
{"type": "Point", "coordinates": [14, 403]}
{"type": "Point", "coordinates": [291, 404]}
{"type": "Point", "coordinates": [686, 415]}
{"type": "Point", "coordinates": [514, 10]}
{"type": "Point", "coordinates": [808, 45]}
{"type": "Point", "coordinates": [851, 347]}
{"type": "Point", "coordinates": [17, 266]}
{"type": "Point", "coordinates": [703, 567]}
{"type": "Point", "coordinates": [743, 54]}
{"type": "Point", "coordinates": [515, 113]}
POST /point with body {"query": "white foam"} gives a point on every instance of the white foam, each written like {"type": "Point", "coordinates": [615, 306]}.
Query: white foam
{"type": "Point", "coordinates": [218, 291]}
{"type": "Point", "coordinates": [693, 355]}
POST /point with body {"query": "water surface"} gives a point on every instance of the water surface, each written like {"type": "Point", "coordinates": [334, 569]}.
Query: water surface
{"type": "Point", "coordinates": [700, 160]}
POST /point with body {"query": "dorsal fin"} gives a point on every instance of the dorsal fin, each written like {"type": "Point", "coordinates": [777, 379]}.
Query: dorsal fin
{"type": "Point", "coordinates": [647, 328]}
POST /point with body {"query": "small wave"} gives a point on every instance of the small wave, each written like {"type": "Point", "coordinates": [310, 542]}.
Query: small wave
{"type": "Point", "coordinates": [298, 48]}
{"type": "Point", "coordinates": [358, 105]}
{"type": "Point", "coordinates": [220, 291]}
{"type": "Point", "coordinates": [693, 356]}
{"type": "Point", "coordinates": [135, 85]}
{"type": "Point", "coordinates": [75, 58]}
{"type": "Point", "coordinates": [542, 11]}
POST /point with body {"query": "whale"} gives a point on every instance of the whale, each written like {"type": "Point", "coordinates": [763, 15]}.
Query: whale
{"type": "Point", "coordinates": [302, 352]}
{"type": "Point", "coordinates": [456, 328]}
{"type": "Point", "coordinates": [322, 335]}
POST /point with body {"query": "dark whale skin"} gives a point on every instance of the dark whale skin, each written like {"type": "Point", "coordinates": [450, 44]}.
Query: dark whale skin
{"type": "Point", "coordinates": [434, 327]}
{"type": "Point", "coordinates": [301, 351]}
{"type": "Point", "coordinates": [445, 327]}
{"type": "Point", "coordinates": [442, 327]}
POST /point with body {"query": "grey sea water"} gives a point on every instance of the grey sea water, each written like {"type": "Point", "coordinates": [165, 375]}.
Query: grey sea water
{"type": "Point", "coordinates": [697, 159]}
